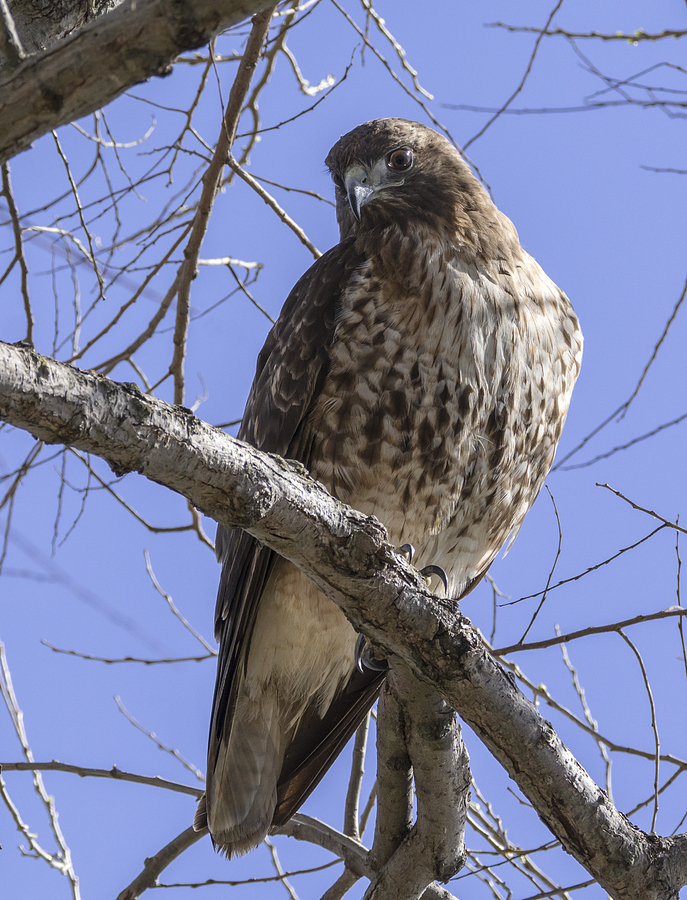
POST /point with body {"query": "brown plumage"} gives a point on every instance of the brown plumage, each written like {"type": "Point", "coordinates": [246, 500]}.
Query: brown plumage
{"type": "Point", "coordinates": [422, 370]}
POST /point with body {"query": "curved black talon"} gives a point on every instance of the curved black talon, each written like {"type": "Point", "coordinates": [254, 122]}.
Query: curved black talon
{"type": "Point", "coordinates": [407, 551]}
{"type": "Point", "coordinates": [428, 571]}
{"type": "Point", "coordinates": [365, 659]}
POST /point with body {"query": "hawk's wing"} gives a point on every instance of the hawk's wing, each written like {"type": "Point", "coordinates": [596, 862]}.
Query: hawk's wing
{"type": "Point", "coordinates": [290, 371]}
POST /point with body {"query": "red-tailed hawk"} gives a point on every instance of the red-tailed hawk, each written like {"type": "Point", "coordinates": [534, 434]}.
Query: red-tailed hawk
{"type": "Point", "coordinates": [422, 371]}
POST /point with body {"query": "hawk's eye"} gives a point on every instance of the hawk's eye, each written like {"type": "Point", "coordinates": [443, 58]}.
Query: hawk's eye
{"type": "Point", "coordinates": [400, 160]}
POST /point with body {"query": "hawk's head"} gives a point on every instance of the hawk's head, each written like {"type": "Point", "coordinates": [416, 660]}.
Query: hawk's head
{"type": "Point", "coordinates": [396, 172]}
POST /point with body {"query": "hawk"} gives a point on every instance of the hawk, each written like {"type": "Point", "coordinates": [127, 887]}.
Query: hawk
{"type": "Point", "coordinates": [422, 370]}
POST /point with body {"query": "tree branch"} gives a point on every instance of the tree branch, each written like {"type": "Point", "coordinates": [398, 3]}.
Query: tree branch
{"type": "Point", "coordinates": [154, 865]}
{"type": "Point", "coordinates": [394, 817]}
{"type": "Point", "coordinates": [86, 71]}
{"type": "Point", "coordinates": [434, 849]}
{"type": "Point", "coordinates": [349, 558]}
{"type": "Point", "coordinates": [114, 772]}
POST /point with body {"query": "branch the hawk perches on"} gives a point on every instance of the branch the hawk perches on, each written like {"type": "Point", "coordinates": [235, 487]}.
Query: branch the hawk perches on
{"type": "Point", "coordinates": [422, 371]}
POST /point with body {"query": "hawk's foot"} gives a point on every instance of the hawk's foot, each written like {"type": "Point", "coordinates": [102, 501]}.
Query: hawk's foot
{"type": "Point", "coordinates": [365, 658]}
{"type": "Point", "coordinates": [430, 572]}
{"type": "Point", "coordinates": [407, 551]}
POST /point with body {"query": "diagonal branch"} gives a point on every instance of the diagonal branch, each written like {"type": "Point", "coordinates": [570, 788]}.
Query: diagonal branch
{"type": "Point", "coordinates": [211, 182]}
{"type": "Point", "coordinates": [348, 557]}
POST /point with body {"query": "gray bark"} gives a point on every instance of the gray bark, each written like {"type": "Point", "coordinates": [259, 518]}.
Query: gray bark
{"type": "Point", "coordinates": [348, 557]}
{"type": "Point", "coordinates": [85, 71]}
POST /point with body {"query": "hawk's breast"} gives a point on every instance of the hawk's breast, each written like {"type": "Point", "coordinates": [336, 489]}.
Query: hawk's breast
{"type": "Point", "coordinates": [444, 401]}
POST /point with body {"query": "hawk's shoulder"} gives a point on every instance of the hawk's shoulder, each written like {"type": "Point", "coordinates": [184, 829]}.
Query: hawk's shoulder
{"type": "Point", "coordinates": [294, 360]}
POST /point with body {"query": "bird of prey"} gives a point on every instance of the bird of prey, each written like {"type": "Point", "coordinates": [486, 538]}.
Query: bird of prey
{"type": "Point", "coordinates": [421, 370]}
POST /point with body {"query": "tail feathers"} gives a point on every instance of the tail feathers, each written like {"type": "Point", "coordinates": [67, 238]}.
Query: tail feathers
{"type": "Point", "coordinates": [200, 820]}
{"type": "Point", "coordinates": [242, 792]}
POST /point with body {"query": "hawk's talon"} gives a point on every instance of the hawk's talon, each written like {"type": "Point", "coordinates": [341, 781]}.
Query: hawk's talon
{"type": "Point", "coordinates": [365, 659]}
{"type": "Point", "coordinates": [407, 551]}
{"type": "Point", "coordinates": [428, 571]}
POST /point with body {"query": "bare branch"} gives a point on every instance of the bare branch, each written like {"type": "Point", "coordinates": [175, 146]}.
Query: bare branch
{"type": "Point", "coordinates": [273, 205]}
{"type": "Point", "coordinates": [114, 772]}
{"type": "Point", "coordinates": [351, 810]}
{"type": "Point", "coordinates": [211, 181]}
{"type": "Point", "coordinates": [634, 38]}
{"type": "Point", "coordinates": [153, 737]}
{"type": "Point", "coordinates": [671, 612]}
{"type": "Point", "coordinates": [62, 860]}
{"type": "Point", "coordinates": [18, 243]}
{"type": "Point", "coordinates": [521, 85]}
{"type": "Point", "coordinates": [649, 512]}
{"type": "Point", "coordinates": [155, 865]}
{"type": "Point", "coordinates": [434, 848]}
{"type": "Point", "coordinates": [102, 60]}
{"type": "Point", "coordinates": [394, 779]}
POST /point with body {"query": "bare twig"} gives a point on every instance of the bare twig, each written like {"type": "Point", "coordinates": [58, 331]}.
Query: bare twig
{"type": "Point", "coordinates": [671, 612]}
{"type": "Point", "coordinates": [407, 90]}
{"type": "Point", "coordinates": [172, 606]}
{"type": "Point", "coordinates": [10, 42]}
{"type": "Point", "coordinates": [109, 365]}
{"type": "Point", "coordinates": [552, 570]}
{"type": "Point", "coordinates": [62, 860]}
{"type": "Point", "coordinates": [273, 205]}
{"type": "Point", "coordinates": [129, 659]}
{"type": "Point", "coordinates": [521, 85]}
{"type": "Point", "coordinates": [649, 512]}
{"type": "Point", "coordinates": [155, 529]}
{"type": "Point", "coordinates": [593, 568]}
{"type": "Point", "coordinates": [593, 724]}
{"type": "Point", "coordinates": [654, 725]}
{"type": "Point", "coordinates": [18, 243]}
{"type": "Point", "coordinates": [211, 180]}
{"type": "Point", "coordinates": [156, 864]}
{"type": "Point", "coordinates": [266, 879]}
{"type": "Point", "coordinates": [351, 809]}
{"type": "Point", "coordinates": [622, 409]}
{"type": "Point", "coordinates": [153, 737]}
{"type": "Point", "coordinates": [114, 773]}
{"type": "Point", "coordinates": [634, 38]}
{"type": "Point", "coordinates": [627, 445]}
{"type": "Point", "coordinates": [680, 623]}
{"type": "Point", "coordinates": [281, 874]}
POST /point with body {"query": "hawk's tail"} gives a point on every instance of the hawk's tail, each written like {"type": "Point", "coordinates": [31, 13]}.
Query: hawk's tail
{"type": "Point", "coordinates": [242, 792]}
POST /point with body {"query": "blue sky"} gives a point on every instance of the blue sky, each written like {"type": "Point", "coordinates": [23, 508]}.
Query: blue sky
{"type": "Point", "coordinates": [610, 231]}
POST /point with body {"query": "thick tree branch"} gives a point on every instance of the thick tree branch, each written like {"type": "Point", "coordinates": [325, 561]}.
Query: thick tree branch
{"type": "Point", "coordinates": [434, 849]}
{"type": "Point", "coordinates": [138, 39]}
{"type": "Point", "coordinates": [355, 856]}
{"type": "Point", "coordinates": [394, 817]}
{"type": "Point", "coordinates": [155, 865]}
{"type": "Point", "coordinates": [348, 557]}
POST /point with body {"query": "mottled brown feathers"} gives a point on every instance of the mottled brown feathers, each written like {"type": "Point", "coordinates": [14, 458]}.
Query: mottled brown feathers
{"type": "Point", "coordinates": [422, 370]}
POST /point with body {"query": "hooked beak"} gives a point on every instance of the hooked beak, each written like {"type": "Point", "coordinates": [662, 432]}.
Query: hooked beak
{"type": "Point", "coordinates": [358, 189]}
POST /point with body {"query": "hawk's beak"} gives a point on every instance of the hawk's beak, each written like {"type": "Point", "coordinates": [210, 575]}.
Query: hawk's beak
{"type": "Point", "coordinates": [358, 189]}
